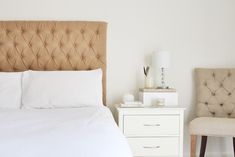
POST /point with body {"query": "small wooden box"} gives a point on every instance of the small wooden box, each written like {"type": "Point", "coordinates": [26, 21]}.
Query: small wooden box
{"type": "Point", "coordinates": [150, 97]}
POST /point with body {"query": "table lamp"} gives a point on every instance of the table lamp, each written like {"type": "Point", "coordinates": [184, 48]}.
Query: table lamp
{"type": "Point", "coordinates": [161, 60]}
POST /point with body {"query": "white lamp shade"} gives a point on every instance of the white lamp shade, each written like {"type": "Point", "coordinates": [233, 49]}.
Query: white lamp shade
{"type": "Point", "coordinates": [161, 59]}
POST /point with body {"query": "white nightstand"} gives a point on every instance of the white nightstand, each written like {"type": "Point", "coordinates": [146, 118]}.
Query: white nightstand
{"type": "Point", "coordinates": [152, 132]}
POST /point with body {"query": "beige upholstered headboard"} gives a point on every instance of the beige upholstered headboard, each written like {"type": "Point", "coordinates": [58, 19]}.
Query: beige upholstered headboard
{"type": "Point", "coordinates": [53, 45]}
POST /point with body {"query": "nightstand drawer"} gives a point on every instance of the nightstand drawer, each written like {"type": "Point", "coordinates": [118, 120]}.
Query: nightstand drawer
{"type": "Point", "coordinates": [165, 146]}
{"type": "Point", "coordinates": [151, 125]}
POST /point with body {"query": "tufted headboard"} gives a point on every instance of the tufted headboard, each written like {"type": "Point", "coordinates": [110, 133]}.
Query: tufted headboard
{"type": "Point", "coordinates": [215, 92]}
{"type": "Point", "coordinates": [53, 45]}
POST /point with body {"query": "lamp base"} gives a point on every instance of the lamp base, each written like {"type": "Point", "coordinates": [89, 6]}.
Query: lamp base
{"type": "Point", "coordinates": [163, 86]}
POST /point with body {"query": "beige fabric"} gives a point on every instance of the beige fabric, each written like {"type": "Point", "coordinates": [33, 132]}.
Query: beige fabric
{"type": "Point", "coordinates": [53, 45]}
{"type": "Point", "coordinates": [215, 92]}
{"type": "Point", "coordinates": [212, 126]}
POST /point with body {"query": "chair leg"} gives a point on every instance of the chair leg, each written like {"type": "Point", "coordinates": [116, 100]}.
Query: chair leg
{"type": "Point", "coordinates": [203, 146]}
{"type": "Point", "coordinates": [234, 146]}
{"type": "Point", "coordinates": [193, 145]}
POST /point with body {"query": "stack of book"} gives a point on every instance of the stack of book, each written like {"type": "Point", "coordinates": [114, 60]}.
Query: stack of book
{"type": "Point", "coordinates": [132, 104]}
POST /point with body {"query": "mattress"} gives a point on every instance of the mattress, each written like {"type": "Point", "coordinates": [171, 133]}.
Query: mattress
{"type": "Point", "coordinates": [71, 132]}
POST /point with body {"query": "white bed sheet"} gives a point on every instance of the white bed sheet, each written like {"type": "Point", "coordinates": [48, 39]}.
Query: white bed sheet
{"type": "Point", "coordinates": [76, 132]}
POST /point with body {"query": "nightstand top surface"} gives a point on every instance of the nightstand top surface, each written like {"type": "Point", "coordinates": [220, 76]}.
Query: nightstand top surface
{"type": "Point", "coordinates": [118, 107]}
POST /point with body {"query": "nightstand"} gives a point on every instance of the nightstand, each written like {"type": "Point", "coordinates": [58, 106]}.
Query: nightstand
{"type": "Point", "coordinates": [153, 131]}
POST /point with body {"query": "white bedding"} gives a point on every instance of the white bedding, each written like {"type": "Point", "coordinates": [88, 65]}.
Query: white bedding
{"type": "Point", "coordinates": [74, 132]}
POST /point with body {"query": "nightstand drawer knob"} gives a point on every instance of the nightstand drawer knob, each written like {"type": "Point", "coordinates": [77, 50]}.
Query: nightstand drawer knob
{"type": "Point", "coordinates": [152, 125]}
{"type": "Point", "coordinates": [151, 147]}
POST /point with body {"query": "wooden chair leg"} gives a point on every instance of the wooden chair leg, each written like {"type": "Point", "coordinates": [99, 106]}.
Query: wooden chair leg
{"type": "Point", "coordinates": [234, 146]}
{"type": "Point", "coordinates": [203, 146]}
{"type": "Point", "coordinates": [193, 145]}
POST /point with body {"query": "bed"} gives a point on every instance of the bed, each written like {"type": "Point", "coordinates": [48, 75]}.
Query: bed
{"type": "Point", "coordinates": [64, 130]}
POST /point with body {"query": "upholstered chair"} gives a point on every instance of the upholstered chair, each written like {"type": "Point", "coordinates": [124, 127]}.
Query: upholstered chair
{"type": "Point", "coordinates": [215, 90]}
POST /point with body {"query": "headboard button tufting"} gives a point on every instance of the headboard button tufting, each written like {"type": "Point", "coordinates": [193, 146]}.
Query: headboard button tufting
{"type": "Point", "coordinates": [98, 56]}
{"type": "Point", "coordinates": [15, 44]}
{"type": "Point", "coordinates": [68, 31]}
{"type": "Point", "coordinates": [8, 31]}
{"type": "Point", "coordinates": [75, 45]}
{"type": "Point", "coordinates": [45, 44]}
{"type": "Point", "coordinates": [68, 56]}
{"type": "Point", "coordinates": [83, 58]}
{"type": "Point", "coordinates": [53, 31]}
{"type": "Point", "coordinates": [61, 44]}
{"type": "Point", "coordinates": [22, 56]}
{"type": "Point", "coordinates": [23, 30]}
{"type": "Point", "coordinates": [90, 45]}
{"type": "Point", "coordinates": [213, 74]}
{"type": "Point", "coordinates": [8, 56]}
{"type": "Point", "coordinates": [82, 31]}
{"type": "Point", "coordinates": [52, 57]}
{"type": "Point", "coordinates": [14, 68]}
{"type": "Point", "coordinates": [38, 31]}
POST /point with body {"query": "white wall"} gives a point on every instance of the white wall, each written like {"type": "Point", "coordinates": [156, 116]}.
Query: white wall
{"type": "Point", "coordinates": [198, 33]}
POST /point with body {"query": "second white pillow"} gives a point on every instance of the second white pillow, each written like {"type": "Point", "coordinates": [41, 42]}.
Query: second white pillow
{"type": "Point", "coordinates": [10, 90]}
{"type": "Point", "coordinates": [60, 89]}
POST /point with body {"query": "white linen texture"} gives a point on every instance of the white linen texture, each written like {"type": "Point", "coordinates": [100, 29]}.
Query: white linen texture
{"type": "Point", "coordinates": [10, 89]}
{"type": "Point", "coordinates": [61, 89]}
{"type": "Point", "coordinates": [71, 132]}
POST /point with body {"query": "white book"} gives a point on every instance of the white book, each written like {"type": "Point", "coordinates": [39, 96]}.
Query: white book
{"type": "Point", "coordinates": [132, 104]}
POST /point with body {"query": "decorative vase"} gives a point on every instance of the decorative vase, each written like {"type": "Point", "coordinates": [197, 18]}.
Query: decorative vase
{"type": "Point", "coordinates": [148, 82]}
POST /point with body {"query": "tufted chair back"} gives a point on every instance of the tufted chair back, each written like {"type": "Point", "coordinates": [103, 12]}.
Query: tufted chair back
{"type": "Point", "coordinates": [215, 92]}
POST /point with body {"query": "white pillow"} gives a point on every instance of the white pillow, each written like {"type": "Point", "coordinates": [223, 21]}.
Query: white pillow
{"type": "Point", "coordinates": [10, 89]}
{"type": "Point", "coordinates": [60, 89]}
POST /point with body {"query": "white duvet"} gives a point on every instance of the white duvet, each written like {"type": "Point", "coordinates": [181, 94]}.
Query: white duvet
{"type": "Point", "coordinates": [76, 132]}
